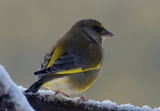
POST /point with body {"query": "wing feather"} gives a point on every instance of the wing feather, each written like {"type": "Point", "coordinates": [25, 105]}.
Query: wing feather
{"type": "Point", "coordinates": [66, 63]}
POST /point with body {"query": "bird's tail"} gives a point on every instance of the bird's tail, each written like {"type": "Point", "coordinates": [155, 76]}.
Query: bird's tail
{"type": "Point", "coordinates": [34, 87]}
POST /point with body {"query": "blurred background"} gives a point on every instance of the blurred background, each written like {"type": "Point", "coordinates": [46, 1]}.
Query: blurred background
{"type": "Point", "coordinates": [131, 71]}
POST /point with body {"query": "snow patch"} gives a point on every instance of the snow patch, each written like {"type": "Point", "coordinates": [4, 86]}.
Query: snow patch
{"type": "Point", "coordinates": [104, 104]}
{"type": "Point", "coordinates": [11, 88]}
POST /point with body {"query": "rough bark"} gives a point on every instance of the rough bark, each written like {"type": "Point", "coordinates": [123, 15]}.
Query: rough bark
{"type": "Point", "coordinates": [13, 99]}
{"type": "Point", "coordinates": [55, 104]}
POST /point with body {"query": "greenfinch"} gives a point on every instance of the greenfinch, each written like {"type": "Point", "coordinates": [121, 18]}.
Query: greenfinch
{"type": "Point", "coordinates": [74, 62]}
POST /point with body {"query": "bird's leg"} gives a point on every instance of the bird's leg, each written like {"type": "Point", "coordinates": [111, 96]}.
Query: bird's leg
{"type": "Point", "coordinates": [82, 98]}
{"type": "Point", "coordinates": [59, 92]}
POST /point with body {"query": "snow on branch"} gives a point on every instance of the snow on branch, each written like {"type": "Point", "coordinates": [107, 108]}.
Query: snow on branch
{"type": "Point", "coordinates": [48, 101]}
{"type": "Point", "coordinates": [13, 99]}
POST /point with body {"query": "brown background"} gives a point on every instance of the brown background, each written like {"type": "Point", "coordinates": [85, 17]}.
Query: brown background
{"type": "Point", "coordinates": [131, 71]}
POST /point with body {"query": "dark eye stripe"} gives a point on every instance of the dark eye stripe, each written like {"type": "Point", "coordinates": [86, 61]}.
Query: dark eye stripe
{"type": "Point", "coordinates": [97, 28]}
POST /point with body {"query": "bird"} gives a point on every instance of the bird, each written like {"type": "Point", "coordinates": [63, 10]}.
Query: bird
{"type": "Point", "coordinates": [74, 62]}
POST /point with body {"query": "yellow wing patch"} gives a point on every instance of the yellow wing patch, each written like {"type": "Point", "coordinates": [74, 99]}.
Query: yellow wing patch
{"type": "Point", "coordinates": [56, 54]}
{"type": "Point", "coordinates": [77, 70]}
{"type": "Point", "coordinates": [59, 52]}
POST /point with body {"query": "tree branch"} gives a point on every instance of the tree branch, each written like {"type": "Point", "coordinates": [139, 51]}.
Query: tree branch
{"type": "Point", "coordinates": [13, 99]}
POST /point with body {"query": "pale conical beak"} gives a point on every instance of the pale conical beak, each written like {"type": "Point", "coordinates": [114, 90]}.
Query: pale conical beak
{"type": "Point", "coordinates": [106, 34]}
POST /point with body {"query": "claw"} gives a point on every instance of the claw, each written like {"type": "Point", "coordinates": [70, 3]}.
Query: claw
{"type": "Point", "coordinates": [82, 98]}
{"type": "Point", "coordinates": [59, 92]}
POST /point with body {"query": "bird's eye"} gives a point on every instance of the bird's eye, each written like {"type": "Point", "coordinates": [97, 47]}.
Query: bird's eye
{"type": "Point", "coordinates": [97, 28]}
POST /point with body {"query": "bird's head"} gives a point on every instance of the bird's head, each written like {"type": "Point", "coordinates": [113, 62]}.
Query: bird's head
{"type": "Point", "coordinates": [93, 29]}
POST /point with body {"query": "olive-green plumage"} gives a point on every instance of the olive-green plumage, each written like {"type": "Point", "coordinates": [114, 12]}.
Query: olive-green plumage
{"type": "Point", "coordinates": [74, 62]}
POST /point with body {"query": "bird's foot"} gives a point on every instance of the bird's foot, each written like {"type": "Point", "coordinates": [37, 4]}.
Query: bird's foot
{"type": "Point", "coordinates": [82, 98]}
{"type": "Point", "coordinates": [59, 92]}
